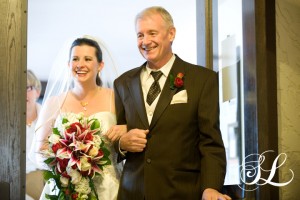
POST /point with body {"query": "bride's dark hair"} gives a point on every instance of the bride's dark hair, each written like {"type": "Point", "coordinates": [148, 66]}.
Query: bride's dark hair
{"type": "Point", "coordinates": [92, 43]}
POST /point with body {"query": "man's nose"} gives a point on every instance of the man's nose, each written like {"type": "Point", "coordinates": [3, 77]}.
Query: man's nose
{"type": "Point", "coordinates": [146, 40]}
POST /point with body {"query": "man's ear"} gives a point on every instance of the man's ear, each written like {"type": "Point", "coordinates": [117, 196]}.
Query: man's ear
{"type": "Point", "coordinates": [172, 33]}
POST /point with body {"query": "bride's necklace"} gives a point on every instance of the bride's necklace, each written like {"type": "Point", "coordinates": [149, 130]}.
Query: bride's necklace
{"type": "Point", "coordinates": [84, 104]}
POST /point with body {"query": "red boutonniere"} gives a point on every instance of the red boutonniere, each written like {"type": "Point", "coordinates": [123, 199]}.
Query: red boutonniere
{"type": "Point", "coordinates": [176, 82]}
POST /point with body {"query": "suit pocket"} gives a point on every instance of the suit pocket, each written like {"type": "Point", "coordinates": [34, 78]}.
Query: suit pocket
{"type": "Point", "coordinates": [180, 97]}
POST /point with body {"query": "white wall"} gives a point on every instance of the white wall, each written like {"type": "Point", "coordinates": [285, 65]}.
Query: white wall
{"type": "Point", "coordinates": [52, 22]}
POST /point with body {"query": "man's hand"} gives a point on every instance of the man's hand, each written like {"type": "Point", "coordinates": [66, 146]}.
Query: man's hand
{"type": "Point", "coordinates": [212, 194]}
{"type": "Point", "coordinates": [115, 132]}
{"type": "Point", "coordinates": [134, 140]}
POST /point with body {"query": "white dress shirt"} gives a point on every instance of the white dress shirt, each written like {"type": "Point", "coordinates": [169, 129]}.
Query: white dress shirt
{"type": "Point", "coordinates": [147, 80]}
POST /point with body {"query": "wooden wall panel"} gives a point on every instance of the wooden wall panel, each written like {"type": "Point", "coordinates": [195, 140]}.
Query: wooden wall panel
{"type": "Point", "coordinates": [13, 23]}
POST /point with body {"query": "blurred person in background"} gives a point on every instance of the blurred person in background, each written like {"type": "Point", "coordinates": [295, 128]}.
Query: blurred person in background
{"type": "Point", "coordinates": [34, 177]}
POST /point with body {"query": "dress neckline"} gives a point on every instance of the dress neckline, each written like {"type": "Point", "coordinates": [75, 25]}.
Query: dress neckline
{"type": "Point", "coordinates": [89, 116]}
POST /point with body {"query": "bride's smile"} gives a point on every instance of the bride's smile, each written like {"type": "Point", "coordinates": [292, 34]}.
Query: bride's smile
{"type": "Point", "coordinates": [84, 63]}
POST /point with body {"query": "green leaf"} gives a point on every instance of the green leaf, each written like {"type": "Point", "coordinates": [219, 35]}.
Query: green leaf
{"type": "Point", "coordinates": [51, 197]}
{"type": "Point", "coordinates": [65, 120]}
{"type": "Point", "coordinates": [105, 151]}
{"type": "Point", "coordinates": [92, 197]}
{"type": "Point", "coordinates": [49, 160]}
{"type": "Point", "coordinates": [95, 124]}
{"type": "Point", "coordinates": [47, 175]}
{"type": "Point", "coordinates": [108, 162]}
{"type": "Point", "coordinates": [172, 81]}
{"type": "Point", "coordinates": [55, 131]}
{"type": "Point", "coordinates": [61, 196]}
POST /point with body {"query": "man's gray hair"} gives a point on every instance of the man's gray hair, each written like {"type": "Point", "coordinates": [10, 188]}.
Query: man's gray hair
{"type": "Point", "coordinates": [156, 10]}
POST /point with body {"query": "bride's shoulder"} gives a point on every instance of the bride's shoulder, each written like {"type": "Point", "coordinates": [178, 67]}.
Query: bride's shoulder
{"type": "Point", "coordinates": [106, 90]}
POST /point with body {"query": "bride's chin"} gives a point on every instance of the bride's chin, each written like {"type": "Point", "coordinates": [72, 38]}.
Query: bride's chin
{"type": "Point", "coordinates": [80, 77]}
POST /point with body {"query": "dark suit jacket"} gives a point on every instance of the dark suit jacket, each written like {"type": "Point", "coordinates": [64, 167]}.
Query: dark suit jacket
{"type": "Point", "coordinates": [185, 152]}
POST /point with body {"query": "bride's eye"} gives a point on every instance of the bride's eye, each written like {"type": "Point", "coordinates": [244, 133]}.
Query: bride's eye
{"type": "Point", "coordinates": [88, 59]}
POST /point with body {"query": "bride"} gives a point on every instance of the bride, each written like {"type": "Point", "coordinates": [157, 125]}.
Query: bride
{"type": "Point", "coordinates": [77, 88]}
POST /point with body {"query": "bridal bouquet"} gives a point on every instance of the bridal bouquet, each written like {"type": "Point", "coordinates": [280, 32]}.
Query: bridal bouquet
{"type": "Point", "coordinates": [76, 154]}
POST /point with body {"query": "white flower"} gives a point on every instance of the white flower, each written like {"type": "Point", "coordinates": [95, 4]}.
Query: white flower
{"type": "Point", "coordinates": [84, 196]}
{"type": "Point", "coordinates": [54, 138]}
{"type": "Point", "coordinates": [83, 187]}
{"type": "Point", "coordinates": [93, 151]}
{"type": "Point", "coordinates": [80, 115]}
{"type": "Point", "coordinates": [76, 177]}
{"type": "Point", "coordinates": [47, 153]}
{"type": "Point", "coordinates": [64, 181]}
{"type": "Point", "coordinates": [85, 165]}
{"type": "Point", "coordinates": [60, 128]}
{"type": "Point", "coordinates": [97, 141]}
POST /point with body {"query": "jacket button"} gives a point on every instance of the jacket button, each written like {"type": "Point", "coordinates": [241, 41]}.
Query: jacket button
{"type": "Point", "coordinates": [148, 160]}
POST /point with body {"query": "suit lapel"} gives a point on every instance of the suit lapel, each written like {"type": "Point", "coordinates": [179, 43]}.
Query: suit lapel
{"type": "Point", "coordinates": [135, 89]}
{"type": "Point", "coordinates": [167, 93]}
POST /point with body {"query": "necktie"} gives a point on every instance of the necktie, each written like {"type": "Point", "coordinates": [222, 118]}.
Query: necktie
{"type": "Point", "coordinates": [155, 88]}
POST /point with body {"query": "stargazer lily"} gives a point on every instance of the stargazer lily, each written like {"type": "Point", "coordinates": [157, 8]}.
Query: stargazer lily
{"type": "Point", "coordinates": [62, 153]}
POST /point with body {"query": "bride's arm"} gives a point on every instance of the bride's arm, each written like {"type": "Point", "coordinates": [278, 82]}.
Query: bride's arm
{"type": "Point", "coordinates": [115, 132]}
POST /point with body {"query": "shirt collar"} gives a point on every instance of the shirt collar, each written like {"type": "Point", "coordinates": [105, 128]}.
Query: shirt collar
{"type": "Point", "coordinates": [164, 69]}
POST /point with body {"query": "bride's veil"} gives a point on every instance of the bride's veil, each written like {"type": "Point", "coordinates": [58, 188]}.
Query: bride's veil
{"type": "Point", "coordinates": [58, 84]}
{"type": "Point", "coordinates": [60, 80]}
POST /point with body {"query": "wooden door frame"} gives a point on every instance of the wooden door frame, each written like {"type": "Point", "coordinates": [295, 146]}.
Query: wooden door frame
{"type": "Point", "coordinates": [260, 78]}
{"type": "Point", "coordinates": [13, 47]}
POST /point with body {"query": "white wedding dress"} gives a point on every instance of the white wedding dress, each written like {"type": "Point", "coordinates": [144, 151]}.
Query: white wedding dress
{"type": "Point", "coordinates": [106, 185]}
